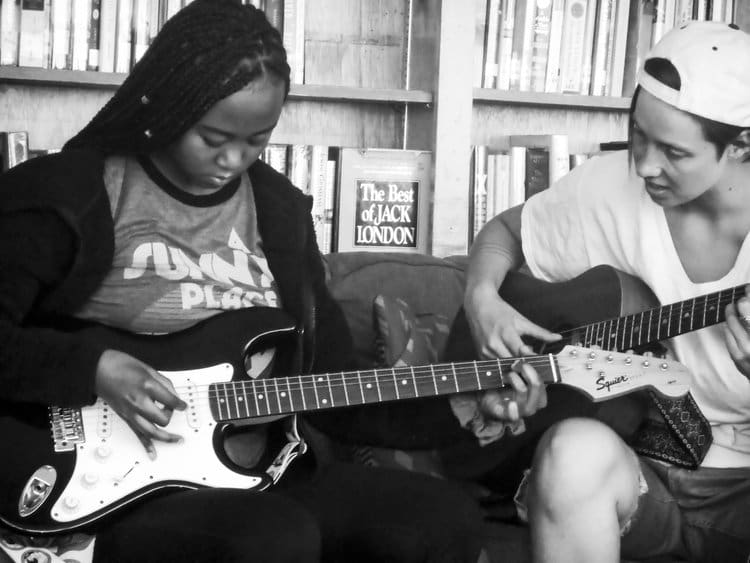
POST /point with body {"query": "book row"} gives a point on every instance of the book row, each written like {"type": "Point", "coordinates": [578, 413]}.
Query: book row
{"type": "Point", "coordinates": [502, 178]}
{"type": "Point", "coordinates": [588, 47]}
{"type": "Point", "coordinates": [111, 35]}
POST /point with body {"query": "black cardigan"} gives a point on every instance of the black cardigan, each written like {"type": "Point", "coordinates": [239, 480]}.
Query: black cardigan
{"type": "Point", "coordinates": [56, 244]}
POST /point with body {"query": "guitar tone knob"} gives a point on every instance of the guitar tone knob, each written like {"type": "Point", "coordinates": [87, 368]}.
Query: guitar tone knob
{"type": "Point", "coordinates": [89, 479]}
{"type": "Point", "coordinates": [71, 503]}
{"type": "Point", "coordinates": [102, 452]}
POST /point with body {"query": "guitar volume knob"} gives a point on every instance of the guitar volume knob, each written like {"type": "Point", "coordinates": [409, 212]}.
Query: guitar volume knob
{"type": "Point", "coordinates": [102, 452]}
{"type": "Point", "coordinates": [89, 479]}
{"type": "Point", "coordinates": [71, 503]}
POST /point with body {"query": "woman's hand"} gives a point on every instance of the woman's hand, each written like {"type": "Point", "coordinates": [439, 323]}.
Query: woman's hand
{"type": "Point", "coordinates": [143, 397]}
{"type": "Point", "coordinates": [497, 328]}
{"type": "Point", "coordinates": [737, 332]}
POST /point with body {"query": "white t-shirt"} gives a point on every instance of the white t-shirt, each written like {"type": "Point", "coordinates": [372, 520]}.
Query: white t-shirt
{"type": "Point", "coordinates": [600, 213]}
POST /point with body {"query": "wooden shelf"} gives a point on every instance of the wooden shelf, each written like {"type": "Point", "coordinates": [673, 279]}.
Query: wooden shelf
{"type": "Point", "coordinates": [111, 80]}
{"type": "Point", "coordinates": [568, 101]}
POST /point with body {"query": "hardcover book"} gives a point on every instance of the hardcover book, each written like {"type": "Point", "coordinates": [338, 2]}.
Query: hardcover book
{"type": "Point", "coordinates": [383, 200]}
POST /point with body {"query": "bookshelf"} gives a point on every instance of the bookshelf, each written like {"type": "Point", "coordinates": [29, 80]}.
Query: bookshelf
{"type": "Point", "coordinates": [414, 90]}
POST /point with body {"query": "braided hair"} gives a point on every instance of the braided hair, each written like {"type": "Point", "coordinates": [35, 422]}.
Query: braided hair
{"type": "Point", "coordinates": [204, 53]}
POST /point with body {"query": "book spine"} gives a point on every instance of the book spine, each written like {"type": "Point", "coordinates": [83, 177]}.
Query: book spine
{"type": "Point", "coordinates": [601, 53]}
{"type": "Point", "coordinates": [123, 43]}
{"type": "Point", "coordinates": [61, 14]}
{"type": "Point", "coordinates": [552, 79]}
{"type": "Point", "coordinates": [588, 46]}
{"type": "Point", "coordinates": [294, 38]}
{"type": "Point", "coordinates": [481, 17]}
{"type": "Point", "coordinates": [81, 19]}
{"type": "Point", "coordinates": [318, 185]}
{"type": "Point", "coordinates": [34, 33]}
{"type": "Point", "coordinates": [505, 46]}
{"type": "Point", "coordinates": [572, 48]}
{"type": "Point", "coordinates": [93, 37]}
{"type": "Point", "coordinates": [501, 185]}
{"type": "Point", "coordinates": [537, 170]}
{"type": "Point", "coordinates": [107, 35]}
{"type": "Point", "coordinates": [490, 42]}
{"type": "Point", "coordinates": [10, 26]}
{"type": "Point", "coordinates": [540, 45]}
{"type": "Point", "coordinates": [619, 47]}
{"type": "Point", "coordinates": [299, 166]}
{"type": "Point", "coordinates": [683, 12]}
{"type": "Point", "coordinates": [480, 188]}
{"type": "Point", "coordinates": [274, 10]}
{"type": "Point", "coordinates": [15, 146]}
{"type": "Point", "coordinates": [517, 191]}
{"type": "Point", "coordinates": [520, 64]}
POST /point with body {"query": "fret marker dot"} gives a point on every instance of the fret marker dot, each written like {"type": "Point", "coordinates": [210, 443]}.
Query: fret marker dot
{"type": "Point", "coordinates": [369, 385]}
{"type": "Point", "coordinates": [325, 401]}
{"type": "Point", "coordinates": [488, 373]}
{"type": "Point", "coordinates": [283, 394]}
{"type": "Point", "coordinates": [221, 400]}
{"type": "Point", "coordinates": [320, 379]}
{"type": "Point", "coordinates": [444, 378]}
{"type": "Point", "coordinates": [403, 382]}
{"type": "Point", "coordinates": [260, 395]}
{"type": "Point", "coordinates": [240, 399]}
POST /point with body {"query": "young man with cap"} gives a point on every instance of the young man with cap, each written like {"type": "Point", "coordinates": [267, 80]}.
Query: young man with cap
{"type": "Point", "coordinates": [674, 210]}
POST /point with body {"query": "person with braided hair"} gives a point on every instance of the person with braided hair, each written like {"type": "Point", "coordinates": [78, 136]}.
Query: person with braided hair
{"type": "Point", "coordinates": [153, 218]}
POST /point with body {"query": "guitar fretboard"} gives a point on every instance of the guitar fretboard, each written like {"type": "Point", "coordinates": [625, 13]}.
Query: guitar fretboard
{"type": "Point", "coordinates": [286, 395]}
{"type": "Point", "coordinates": [654, 325]}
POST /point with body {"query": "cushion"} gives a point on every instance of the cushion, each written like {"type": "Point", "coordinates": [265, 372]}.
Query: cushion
{"type": "Point", "coordinates": [404, 339]}
{"type": "Point", "coordinates": [431, 286]}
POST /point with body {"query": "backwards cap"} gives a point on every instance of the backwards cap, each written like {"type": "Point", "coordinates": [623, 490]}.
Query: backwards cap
{"type": "Point", "coordinates": [713, 61]}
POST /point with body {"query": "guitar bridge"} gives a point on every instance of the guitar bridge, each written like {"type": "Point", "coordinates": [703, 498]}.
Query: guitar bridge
{"type": "Point", "coordinates": [67, 428]}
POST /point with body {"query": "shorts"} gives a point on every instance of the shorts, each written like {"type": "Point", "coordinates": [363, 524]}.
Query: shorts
{"type": "Point", "coordinates": [700, 515]}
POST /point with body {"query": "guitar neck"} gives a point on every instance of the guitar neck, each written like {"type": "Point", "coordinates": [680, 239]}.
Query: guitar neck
{"type": "Point", "coordinates": [657, 324]}
{"type": "Point", "coordinates": [286, 395]}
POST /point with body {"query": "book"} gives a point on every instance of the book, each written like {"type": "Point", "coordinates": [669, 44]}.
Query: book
{"type": "Point", "coordinates": [294, 38]}
{"type": "Point", "coordinates": [505, 45]}
{"type": "Point", "coordinates": [33, 33]}
{"type": "Point", "coordinates": [92, 61]}
{"type": "Point", "coordinates": [556, 145]}
{"type": "Point", "coordinates": [79, 30]}
{"type": "Point", "coordinates": [123, 43]}
{"type": "Point", "coordinates": [552, 79]}
{"type": "Point", "coordinates": [619, 47]}
{"type": "Point", "coordinates": [14, 148]}
{"type": "Point", "coordinates": [383, 197]}
{"type": "Point", "coordinates": [604, 32]}
{"type": "Point", "coordinates": [107, 35]}
{"type": "Point", "coordinates": [517, 182]}
{"type": "Point", "coordinates": [520, 63]}
{"type": "Point", "coordinates": [640, 23]}
{"type": "Point", "coordinates": [275, 155]}
{"type": "Point", "coordinates": [299, 166]}
{"type": "Point", "coordinates": [479, 172]}
{"type": "Point", "coordinates": [539, 48]}
{"type": "Point", "coordinates": [274, 10]}
{"type": "Point", "coordinates": [498, 183]}
{"type": "Point", "coordinates": [60, 19]}
{"type": "Point", "coordinates": [10, 25]}
{"type": "Point", "coordinates": [537, 171]}
{"type": "Point", "coordinates": [318, 186]}
{"type": "Point", "coordinates": [490, 30]}
{"type": "Point", "coordinates": [573, 46]}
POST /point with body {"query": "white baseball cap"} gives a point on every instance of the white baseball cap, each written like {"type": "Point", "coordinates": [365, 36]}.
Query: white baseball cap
{"type": "Point", "coordinates": [713, 61]}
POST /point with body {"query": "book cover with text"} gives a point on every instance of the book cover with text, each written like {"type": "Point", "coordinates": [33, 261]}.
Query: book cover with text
{"type": "Point", "coordinates": [383, 200]}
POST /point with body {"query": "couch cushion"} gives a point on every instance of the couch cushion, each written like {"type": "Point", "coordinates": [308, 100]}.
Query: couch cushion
{"type": "Point", "coordinates": [431, 286]}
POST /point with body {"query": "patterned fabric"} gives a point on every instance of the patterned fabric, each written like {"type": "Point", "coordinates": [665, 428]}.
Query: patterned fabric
{"type": "Point", "coordinates": [404, 339]}
{"type": "Point", "coordinates": [683, 438]}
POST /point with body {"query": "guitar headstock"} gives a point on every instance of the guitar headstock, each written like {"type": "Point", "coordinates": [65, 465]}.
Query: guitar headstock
{"type": "Point", "coordinates": [603, 374]}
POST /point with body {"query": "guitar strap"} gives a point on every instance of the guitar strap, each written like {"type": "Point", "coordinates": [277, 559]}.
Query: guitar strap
{"type": "Point", "coordinates": [682, 438]}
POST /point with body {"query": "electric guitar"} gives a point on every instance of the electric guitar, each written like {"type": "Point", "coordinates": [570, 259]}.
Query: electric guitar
{"type": "Point", "coordinates": [85, 463]}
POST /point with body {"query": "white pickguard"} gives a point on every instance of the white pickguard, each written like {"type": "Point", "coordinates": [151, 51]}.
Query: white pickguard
{"type": "Point", "coordinates": [111, 463]}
